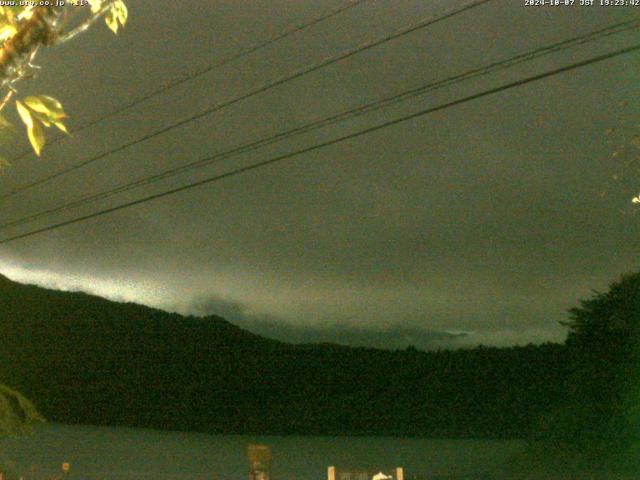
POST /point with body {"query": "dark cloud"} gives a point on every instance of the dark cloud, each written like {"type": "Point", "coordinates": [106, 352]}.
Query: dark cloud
{"type": "Point", "coordinates": [485, 218]}
{"type": "Point", "coordinates": [345, 333]}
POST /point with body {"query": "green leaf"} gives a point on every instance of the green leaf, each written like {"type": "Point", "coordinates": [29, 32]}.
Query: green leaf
{"type": "Point", "coordinates": [34, 130]}
{"type": "Point", "coordinates": [36, 137]}
{"type": "Point", "coordinates": [25, 114]}
{"type": "Point", "coordinates": [121, 12]}
{"type": "Point", "coordinates": [7, 31]}
{"type": "Point", "coordinates": [41, 118]}
{"type": "Point", "coordinates": [111, 21]}
{"type": "Point", "coordinates": [45, 105]}
{"type": "Point", "coordinates": [96, 5]}
{"type": "Point", "coordinates": [61, 127]}
{"type": "Point", "coordinates": [117, 16]}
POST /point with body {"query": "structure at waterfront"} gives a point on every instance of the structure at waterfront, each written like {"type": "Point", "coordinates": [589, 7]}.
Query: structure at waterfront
{"type": "Point", "coordinates": [340, 473]}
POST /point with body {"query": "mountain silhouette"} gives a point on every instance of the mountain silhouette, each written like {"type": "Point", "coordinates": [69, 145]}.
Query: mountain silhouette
{"type": "Point", "coordinates": [84, 359]}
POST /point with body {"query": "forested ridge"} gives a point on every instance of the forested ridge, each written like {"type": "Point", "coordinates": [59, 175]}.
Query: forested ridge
{"type": "Point", "coordinates": [83, 359]}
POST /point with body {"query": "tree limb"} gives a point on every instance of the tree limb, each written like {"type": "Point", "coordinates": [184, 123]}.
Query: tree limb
{"type": "Point", "coordinates": [64, 37]}
{"type": "Point", "coordinates": [19, 49]}
{"type": "Point", "coordinates": [6, 99]}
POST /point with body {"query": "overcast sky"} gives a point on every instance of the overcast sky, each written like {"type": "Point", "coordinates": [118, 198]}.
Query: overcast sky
{"type": "Point", "coordinates": [480, 223]}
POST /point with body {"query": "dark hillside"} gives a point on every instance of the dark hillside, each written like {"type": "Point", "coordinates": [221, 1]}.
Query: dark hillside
{"type": "Point", "coordinates": [84, 359]}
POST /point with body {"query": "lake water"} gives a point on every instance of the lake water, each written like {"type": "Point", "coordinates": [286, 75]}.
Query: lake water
{"type": "Point", "coordinates": [121, 453]}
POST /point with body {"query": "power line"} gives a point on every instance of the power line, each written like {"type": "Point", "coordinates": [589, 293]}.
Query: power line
{"type": "Point", "coordinates": [300, 73]}
{"type": "Point", "coordinates": [203, 71]}
{"type": "Point", "coordinates": [327, 143]}
{"type": "Point", "coordinates": [345, 115]}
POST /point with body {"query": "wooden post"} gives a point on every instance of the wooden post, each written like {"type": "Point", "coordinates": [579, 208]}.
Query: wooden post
{"type": "Point", "coordinates": [331, 473]}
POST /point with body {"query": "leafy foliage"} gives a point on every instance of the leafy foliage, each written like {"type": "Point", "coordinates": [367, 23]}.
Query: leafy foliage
{"type": "Point", "coordinates": [601, 409]}
{"type": "Point", "coordinates": [117, 16]}
{"type": "Point", "coordinates": [23, 29]}
{"type": "Point", "coordinates": [608, 323]}
{"type": "Point", "coordinates": [595, 431]}
{"type": "Point", "coordinates": [38, 112]}
{"type": "Point", "coordinates": [16, 412]}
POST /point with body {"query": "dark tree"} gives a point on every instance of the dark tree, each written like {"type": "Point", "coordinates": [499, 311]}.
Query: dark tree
{"type": "Point", "coordinates": [604, 344]}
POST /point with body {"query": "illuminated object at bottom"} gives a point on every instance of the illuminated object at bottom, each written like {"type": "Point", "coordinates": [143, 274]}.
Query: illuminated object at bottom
{"type": "Point", "coordinates": [337, 473]}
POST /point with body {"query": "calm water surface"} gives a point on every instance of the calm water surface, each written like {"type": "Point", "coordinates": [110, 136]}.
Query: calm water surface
{"type": "Point", "coordinates": [122, 453]}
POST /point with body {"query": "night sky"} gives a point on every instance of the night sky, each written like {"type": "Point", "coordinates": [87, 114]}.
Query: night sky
{"type": "Point", "coordinates": [482, 223]}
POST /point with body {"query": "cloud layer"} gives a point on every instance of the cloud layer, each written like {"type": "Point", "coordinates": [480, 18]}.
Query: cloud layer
{"type": "Point", "coordinates": [486, 218]}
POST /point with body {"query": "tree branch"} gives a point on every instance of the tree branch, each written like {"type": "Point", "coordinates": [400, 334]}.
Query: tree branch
{"type": "Point", "coordinates": [64, 37]}
{"type": "Point", "coordinates": [19, 49]}
{"type": "Point", "coordinates": [6, 99]}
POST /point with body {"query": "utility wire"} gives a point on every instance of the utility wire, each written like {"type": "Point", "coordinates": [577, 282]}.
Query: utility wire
{"type": "Point", "coordinates": [345, 115]}
{"type": "Point", "coordinates": [203, 71]}
{"type": "Point", "coordinates": [300, 73]}
{"type": "Point", "coordinates": [327, 143]}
